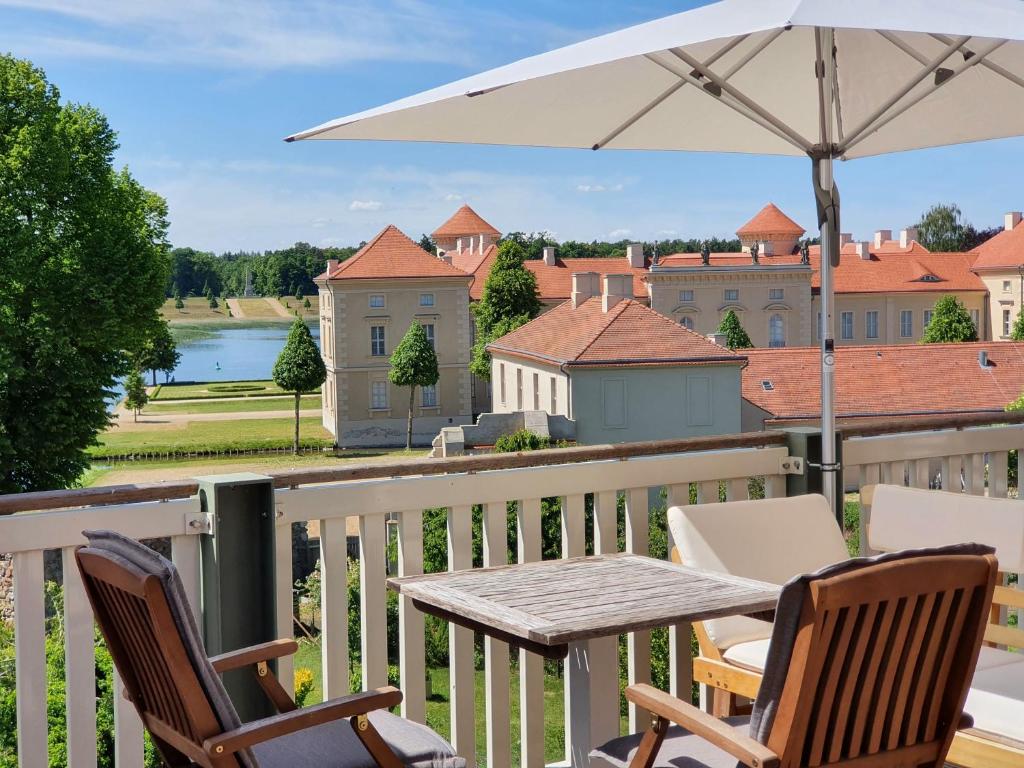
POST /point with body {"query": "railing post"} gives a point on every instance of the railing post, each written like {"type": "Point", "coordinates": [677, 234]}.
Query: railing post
{"type": "Point", "coordinates": [806, 443]}
{"type": "Point", "coordinates": [238, 573]}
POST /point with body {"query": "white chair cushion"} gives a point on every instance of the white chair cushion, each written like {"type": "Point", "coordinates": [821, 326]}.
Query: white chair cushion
{"type": "Point", "coordinates": [770, 540]}
{"type": "Point", "coordinates": [903, 518]}
{"type": "Point", "coordinates": [996, 700]}
{"type": "Point", "coordinates": [749, 656]}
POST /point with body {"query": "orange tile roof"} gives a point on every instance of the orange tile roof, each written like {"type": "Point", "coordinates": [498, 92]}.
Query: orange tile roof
{"type": "Point", "coordinates": [770, 221]}
{"type": "Point", "coordinates": [888, 380]}
{"type": "Point", "coordinates": [628, 334]}
{"type": "Point", "coordinates": [391, 254]}
{"type": "Point", "coordinates": [554, 283]}
{"type": "Point", "coordinates": [1003, 250]}
{"type": "Point", "coordinates": [471, 261]}
{"type": "Point", "coordinates": [465, 221]}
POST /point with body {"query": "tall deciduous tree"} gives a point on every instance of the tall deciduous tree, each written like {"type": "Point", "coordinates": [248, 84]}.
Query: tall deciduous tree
{"type": "Point", "coordinates": [299, 368]}
{"type": "Point", "coordinates": [509, 300]}
{"type": "Point", "coordinates": [413, 364]}
{"type": "Point", "coordinates": [735, 336]}
{"type": "Point", "coordinates": [951, 322]}
{"type": "Point", "coordinates": [159, 352]}
{"type": "Point", "coordinates": [942, 228]}
{"type": "Point", "coordinates": [84, 266]}
{"type": "Point", "coordinates": [135, 396]}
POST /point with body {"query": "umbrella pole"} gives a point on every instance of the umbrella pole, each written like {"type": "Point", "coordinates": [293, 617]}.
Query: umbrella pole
{"type": "Point", "coordinates": [828, 194]}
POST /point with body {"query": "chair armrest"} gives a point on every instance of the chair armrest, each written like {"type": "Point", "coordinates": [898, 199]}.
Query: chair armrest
{"type": "Point", "coordinates": [745, 749]}
{"type": "Point", "coordinates": [254, 654]}
{"type": "Point", "coordinates": [268, 728]}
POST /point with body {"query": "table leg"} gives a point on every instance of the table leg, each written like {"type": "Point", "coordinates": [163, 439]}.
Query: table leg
{"type": "Point", "coordinates": [591, 697]}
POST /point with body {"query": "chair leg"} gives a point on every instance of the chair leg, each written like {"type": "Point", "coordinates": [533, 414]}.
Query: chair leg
{"type": "Point", "coordinates": [647, 752]}
{"type": "Point", "coordinates": [723, 703]}
{"type": "Point", "coordinates": [375, 745]}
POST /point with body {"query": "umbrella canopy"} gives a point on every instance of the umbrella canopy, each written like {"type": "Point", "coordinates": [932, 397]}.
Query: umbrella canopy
{"type": "Point", "coordinates": [824, 79]}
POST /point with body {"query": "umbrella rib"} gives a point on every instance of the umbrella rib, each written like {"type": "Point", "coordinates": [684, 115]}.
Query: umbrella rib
{"type": "Point", "coordinates": [989, 65]}
{"type": "Point", "coordinates": [742, 98]}
{"type": "Point", "coordinates": [857, 133]}
{"type": "Point", "coordinates": [876, 126]}
{"type": "Point", "coordinates": [749, 114]}
{"type": "Point", "coordinates": [641, 114]}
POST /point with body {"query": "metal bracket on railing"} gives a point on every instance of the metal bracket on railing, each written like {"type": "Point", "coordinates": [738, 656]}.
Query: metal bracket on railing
{"type": "Point", "coordinates": [791, 465]}
{"type": "Point", "coordinates": [198, 522]}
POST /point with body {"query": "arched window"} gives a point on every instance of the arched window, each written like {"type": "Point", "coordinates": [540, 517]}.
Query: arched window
{"type": "Point", "coordinates": [686, 321]}
{"type": "Point", "coordinates": [776, 331]}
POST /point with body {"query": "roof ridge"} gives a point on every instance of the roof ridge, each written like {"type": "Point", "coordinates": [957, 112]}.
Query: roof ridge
{"type": "Point", "coordinates": [362, 251]}
{"type": "Point", "coordinates": [620, 307]}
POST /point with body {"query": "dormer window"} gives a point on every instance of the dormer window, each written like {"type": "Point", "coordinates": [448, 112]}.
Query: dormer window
{"type": "Point", "coordinates": [767, 386]}
{"type": "Point", "coordinates": [929, 279]}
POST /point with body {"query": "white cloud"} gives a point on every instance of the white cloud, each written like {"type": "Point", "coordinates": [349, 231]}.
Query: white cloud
{"type": "Point", "coordinates": [618, 234]}
{"type": "Point", "coordinates": [365, 205]}
{"type": "Point", "coordinates": [666, 233]}
{"type": "Point", "coordinates": [451, 197]}
{"type": "Point", "coordinates": [589, 188]}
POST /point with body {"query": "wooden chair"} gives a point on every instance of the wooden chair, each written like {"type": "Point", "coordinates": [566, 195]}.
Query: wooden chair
{"type": "Point", "coordinates": [869, 666]}
{"type": "Point", "coordinates": [142, 610]}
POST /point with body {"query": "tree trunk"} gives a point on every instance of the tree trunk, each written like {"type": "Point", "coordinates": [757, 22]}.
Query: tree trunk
{"type": "Point", "coordinates": [135, 412]}
{"type": "Point", "coordinates": [154, 377]}
{"type": "Point", "coordinates": [408, 430]}
{"type": "Point", "coordinates": [295, 447]}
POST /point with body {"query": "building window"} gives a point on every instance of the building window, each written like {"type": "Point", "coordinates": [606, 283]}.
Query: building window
{"type": "Point", "coordinates": [1006, 323]}
{"type": "Point", "coordinates": [554, 396]}
{"type": "Point", "coordinates": [871, 324]}
{"type": "Point", "coordinates": [536, 391]}
{"type": "Point", "coordinates": [426, 299]}
{"type": "Point", "coordinates": [379, 395]}
{"type": "Point", "coordinates": [906, 324]}
{"type": "Point", "coordinates": [428, 328]}
{"type": "Point", "coordinates": [732, 294]}
{"type": "Point", "coordinates": [685, 296]}
{"type": "Point", "coordinates": [927, 317]}
{"type": "Point", "coordinates": [686, 321]}
{"type": "Point", "coordinates": [519, 389]}
{"type": "Point", "coordinates": [501, 381]}
{"type": "Point", "coordinates": [846, 320]}
{"type": "Point", "coordinates": [776, 331]}
{"type": "Point", "coordinates": [976, 320]}
{"type": "Point", "coordinates": [429, 396]}
{"type": "Point", "coordinates": [1007, 286]}
{"type": "Point", "coordinates": [377, 341]}
{"type": "Point", "coordinates": [377, 301]}
{"type": "Point", "coordinates": [776, 294]}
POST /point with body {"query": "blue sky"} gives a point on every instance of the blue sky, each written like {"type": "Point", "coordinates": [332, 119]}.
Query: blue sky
{"type": "Point", "coordinates": [201, 93]}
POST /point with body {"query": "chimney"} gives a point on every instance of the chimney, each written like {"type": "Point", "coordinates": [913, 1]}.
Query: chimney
{"type": "Point", "coordinates": [864, 250]}
{"type": "Point", "coordinates": [882, 236]}
{"type": "Point", "coordinates": [844, 238]}
{"type": "Point", "coordinates": [907, 235]}
{"type": "Point", "coordinates": [635, 255]}
{"type": "Point", "coordinates": [1011, 220]}
{"type": "Point", "coordinates": [332, 264]}
{"type": "Point", "coordinates": [719, 338]}
{"type": "Point", "coordinates": [585, 285]}
{"type": "Point", "coordinates": [549, 255]}
{"type": "Point", "coordinates": [616, 288]}
{"type": "Point", "coordinates": [983, 358]}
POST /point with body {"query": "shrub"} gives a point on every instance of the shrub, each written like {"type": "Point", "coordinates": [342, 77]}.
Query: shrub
{"type": "Point", "coordinates": [236, 387]}
{"type": "Point", "coordinates": [523, 440]}
{"type": "Point", "coordinates": [303, 685]}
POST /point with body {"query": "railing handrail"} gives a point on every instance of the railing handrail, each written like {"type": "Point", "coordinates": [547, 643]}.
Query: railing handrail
{"type": "Point", "coordinates": [892, 425]}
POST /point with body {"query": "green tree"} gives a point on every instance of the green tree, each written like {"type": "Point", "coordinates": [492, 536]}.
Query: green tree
{"type": "Point", "coordinates": [159, 352]}
{"type": "Point", "coordinates": [942, 228]}
{"type": "Point", "coordinates": [951, 322]}
{"type": "Point", "coordinates": [735, 336]}
{"type": "Point", "coordinates": [1017, 332]}
{"type": "Point", "coordinates": [135, 392]}
{"type": "Point", "coordinates": [413, 364]}
{"type": "Point", "coordinates": [427, 244]}
{"type": "Point", "coordinates": [509, 300]}
{"type": "Point", "coordinates": [306, 304]}
{"type": "Point", "coordinates": [299, 368]}
{"type": "Point", "coordinates": [179, 303]}
{"type": "Point", "coordinates": [85, 269]}
{"type": "Point", "coordinates": [213, 301]}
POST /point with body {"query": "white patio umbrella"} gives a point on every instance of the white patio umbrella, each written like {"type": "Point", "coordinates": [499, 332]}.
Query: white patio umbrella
{"type": "Point", "coordinates": [823, 79]}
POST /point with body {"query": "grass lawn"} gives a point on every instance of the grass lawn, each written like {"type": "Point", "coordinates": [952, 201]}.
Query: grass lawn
{"type": "Point", "coordinates": [439, 711]}
{"type": "Point", "coordinates": [258, 309]}
{"type": "Point", "coordinates": [291, 304]}
{"type": "Point", "coordinates": [243, 434]}
{"type": "Point", "coordinates": [218, 389]}
{"type": "Point", "coordinates": [196, 308]}
{"type": "Point", "coordinates": [249, 404]}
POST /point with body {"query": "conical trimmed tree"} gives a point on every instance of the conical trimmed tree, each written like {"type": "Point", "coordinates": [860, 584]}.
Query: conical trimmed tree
{"type": "Point", "coordinates": [299, 368]}
{"type": "Point", "coordinates": [950, 323]}
{"type": "Point", "coordinates": [413, 364]}
{"type": "Point", "coordinates": [735, 336]}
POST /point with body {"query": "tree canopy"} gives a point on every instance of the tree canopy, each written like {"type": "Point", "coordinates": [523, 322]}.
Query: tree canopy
{"type": "Point", "coordinates": [942, 228]}
{"type": "Point", "coordinates": [951, 322]}
{"type": "Point", "coordinates": [159, 351]}
{"type": "Point", "coordinates": [413, 364]}
{"type": "Point", "coordinates": [1017, 332]}
{"type": "Point", "coordinates": [85, 269]}
{"type": "Point", "coordinates": [735, 336]}
{"type": "Point", "coordinates": [299, 368]}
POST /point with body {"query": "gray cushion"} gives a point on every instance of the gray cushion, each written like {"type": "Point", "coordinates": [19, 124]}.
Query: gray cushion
{"type": "Point", "coordinates": [150, 562]}
{"type": "Point", "coordinates": [335, 745]}
{"type": "Point", "coordinates": [681, 749]}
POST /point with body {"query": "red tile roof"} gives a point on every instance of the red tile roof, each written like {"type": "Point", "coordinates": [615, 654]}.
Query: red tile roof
{"type": "Point", "coordinates": [770, 221]}
{"type": "Point", "coordinates": [465, 221]}
{"type": "Point", "coordinates": [628, 334]}
{"type": "Point", "coordinates": [554, 283]}
{"type": "Point", "coordinates": [1002, 251]}
{"type": "Point", "coordinates": [890, 380]}
{"type": "Point", "coordinates": [391, 254]}
{"type": "Point", "coordinates": [471, 261]}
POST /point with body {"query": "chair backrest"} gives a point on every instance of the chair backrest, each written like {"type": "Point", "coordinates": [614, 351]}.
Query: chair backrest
{"type": "Point", "coordinates": [873, 658]}
{"type": "Point", "coordinates": [769, 540]}
{"type": "Point", "coordinates": [142, 611]}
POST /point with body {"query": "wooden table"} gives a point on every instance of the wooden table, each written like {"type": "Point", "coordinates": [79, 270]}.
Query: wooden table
{"type": "Point", "coordinates": [575, 608]}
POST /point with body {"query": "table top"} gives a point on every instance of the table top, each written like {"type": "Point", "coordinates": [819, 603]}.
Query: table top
{"type": "Point", "coordinates": [543, 606]}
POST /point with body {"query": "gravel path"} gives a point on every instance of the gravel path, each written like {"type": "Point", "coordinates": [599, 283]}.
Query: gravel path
{"type": "Point", "coordinates": [236, 308]}
{"type": "Point", "coordinates": [124, 421]}
{"type": "Point", "coordinates": [278, 307]}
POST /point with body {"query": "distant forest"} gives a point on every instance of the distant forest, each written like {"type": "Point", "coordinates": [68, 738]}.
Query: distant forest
{"type": "Point", "coordinates": [291, 270]}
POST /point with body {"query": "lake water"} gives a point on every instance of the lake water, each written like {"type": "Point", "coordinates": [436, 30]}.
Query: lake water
{"type": "Point", "coordinates": [241, 353]}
